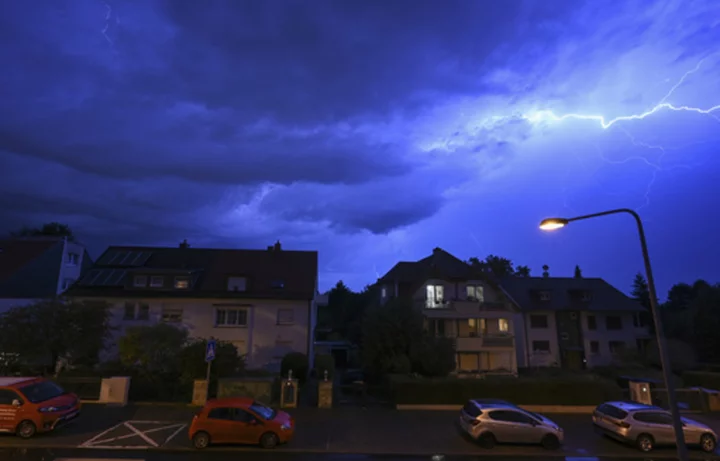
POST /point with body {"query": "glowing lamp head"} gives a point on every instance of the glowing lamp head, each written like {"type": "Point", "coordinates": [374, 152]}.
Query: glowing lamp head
{"type": "Point", "coordinates": [551, 224]}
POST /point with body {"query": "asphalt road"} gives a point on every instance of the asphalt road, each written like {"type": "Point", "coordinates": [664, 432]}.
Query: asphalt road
{"type": "Point", "coordinates": [144, 432]}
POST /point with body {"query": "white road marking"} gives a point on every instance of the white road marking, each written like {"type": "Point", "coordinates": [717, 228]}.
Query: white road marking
{"type": "Point", "coordinates": [98, 459]}
{"type": "Point", "coordinates": [98, 442]}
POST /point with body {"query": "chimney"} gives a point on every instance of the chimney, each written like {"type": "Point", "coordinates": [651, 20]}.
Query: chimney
{"type": "Point", "coordinates": [546, 271]}
{"type": "Point", "coordinates": [277, 246]}
{"type": "Point", "coordinates": [184, 244]}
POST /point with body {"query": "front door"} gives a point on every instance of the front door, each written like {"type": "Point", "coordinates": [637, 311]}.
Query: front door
{"type": "Point", "coordinates": [220, 424]}
{"type": "Point", "coordinates": [8, 412]}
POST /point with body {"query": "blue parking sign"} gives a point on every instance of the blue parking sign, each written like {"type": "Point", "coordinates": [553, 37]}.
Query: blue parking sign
{"type": "Point", "coordinates": [210, 351]}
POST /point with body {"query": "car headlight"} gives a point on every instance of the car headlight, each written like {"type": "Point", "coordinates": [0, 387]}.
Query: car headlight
{"type": "Point", "coordinates": [285, 427]}
{"type": "Point", "coordinates": [47, 409]}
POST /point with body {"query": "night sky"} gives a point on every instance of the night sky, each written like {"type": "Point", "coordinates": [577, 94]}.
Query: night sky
{"type": "Point", "coordinates": [371, 131]}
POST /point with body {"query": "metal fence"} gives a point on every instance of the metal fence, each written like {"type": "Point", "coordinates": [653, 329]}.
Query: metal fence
{"type": "Point", "coordinates": [689, 399]}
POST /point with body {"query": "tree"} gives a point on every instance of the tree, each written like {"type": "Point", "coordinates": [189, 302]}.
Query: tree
{"type": "Point", "coordinates": [50, 330]}
{"type": "Point", "coordinates": [346, 309]}
{"type": "Point", "coordinates": [706, 322]}
{"type": "Point", "coordinates": [640, 291]}
{"type": "Point", "coordinates": [522, 271]}
{"type": "Point", "coordinates": [50, 229]}
{"type": "Point", "coordinates": [546, 270]}
{"type": "Point", "coordinates": [496, 265]}
{"type": "Point", "coordinates": [227, 362]}
{"type": "Point", "coordinates": [153, 349]}
{"type": "Point", "coordinates": [578, 272]}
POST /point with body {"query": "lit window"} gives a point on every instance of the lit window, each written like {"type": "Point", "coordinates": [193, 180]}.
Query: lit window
{"type": "Point", "coordinates": [182, 283]}
{"type": "Point", "coordinates": [475, 293]}
{"type": "Point", "coordinates": [503, 325]}
{"type": "Point", "coordinates": [140, 281]}
{"type": "Point", "coordinates": [435, 296]}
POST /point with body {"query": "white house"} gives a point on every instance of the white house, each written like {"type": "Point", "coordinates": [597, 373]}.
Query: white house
{"type": "Point", "coordinates": [262, 301]}
{"type": "Point", "coordinates": [459, 302]}
{"type": "Point", "coordinates": [574, 322]}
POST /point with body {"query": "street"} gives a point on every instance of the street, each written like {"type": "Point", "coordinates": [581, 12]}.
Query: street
{"type": "Point", "coordinates": [146, 432]}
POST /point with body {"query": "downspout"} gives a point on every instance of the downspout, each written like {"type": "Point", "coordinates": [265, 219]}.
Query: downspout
{"type": "Point", "coordinates": [311, 336]}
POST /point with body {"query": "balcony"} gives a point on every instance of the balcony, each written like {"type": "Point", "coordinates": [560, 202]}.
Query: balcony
{"type": "Point", "coordinates": [483, 342]}
{"type": "Point", "coordinates": [461, 308]}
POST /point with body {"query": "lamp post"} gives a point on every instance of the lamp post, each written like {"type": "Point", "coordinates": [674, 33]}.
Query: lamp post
{"type": "Point", "coordinates": [557, 223]}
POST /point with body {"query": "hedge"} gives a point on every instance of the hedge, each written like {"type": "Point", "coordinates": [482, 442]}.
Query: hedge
{"type": "Point", "coordinates": [451, 391]}
{"type": "Point", "coordinates": [706, 379]}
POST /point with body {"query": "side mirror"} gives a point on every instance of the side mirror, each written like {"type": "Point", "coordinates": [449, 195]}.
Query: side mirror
{"type": "Point", "coordinates": [16, 403]}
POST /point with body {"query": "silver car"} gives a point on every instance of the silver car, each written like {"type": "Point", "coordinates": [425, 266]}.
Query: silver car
{"type": "Point", "coordinates": [492, 421]}
{"type": "Point", "coordinates": [647, 426]}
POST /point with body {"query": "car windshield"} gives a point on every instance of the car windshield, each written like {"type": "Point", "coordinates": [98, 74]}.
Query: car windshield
{"type": "Point", "coordinates": [262, 410]}
{"type": "Point", "coordinates": [42, 391]}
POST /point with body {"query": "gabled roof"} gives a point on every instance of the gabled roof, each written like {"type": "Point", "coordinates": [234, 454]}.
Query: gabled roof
{"type": "Point", "coordinates": [603, 296]}
{"type": "Point", "coordinates": [440, 264]}
{"type": "Point", "coordinates": [16, 253]}
{"type": "Point", "coordinates": [272, 273]}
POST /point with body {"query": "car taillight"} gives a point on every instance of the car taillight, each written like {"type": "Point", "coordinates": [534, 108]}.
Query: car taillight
{"type": "Point", "coordinates": [623, 424]}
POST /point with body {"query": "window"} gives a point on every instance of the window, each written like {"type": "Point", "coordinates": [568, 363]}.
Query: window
{"type": "Point", "coordinates": [435, 296]}
{"type": "Point", "coordinates": [564, 336]}
{"type": "Point", "coordinates": [616, 347]}
{"type": "Point", "coordinates": [182, 283]}
{"type": "Point", "coordinates": [612, 411]}
{"type": "Point", "coordinates": [472, 410]}
{"type": "Point", "coordinates": [591, 322]}
{"type": "Point", "coordinates": [129, 311]}
{"type": "Point", "coordinates": [221, 413]}
{"type": "Point", "coordinates": [140, 281]}
{"type": "Point", "coordinates": [157, 281]}
{"type": "Point", "coordinates": [475, 327]}
{"type": "Point", "coordinates": [475, 293]}
{"type": "Point", "coordinates": [7, 396]}
{"type": "Point", "coordinates": [594, 347]}
{"type": "Point", "coordinates": [172, 315]}
{"type": "Point", "coordinates": [639, 320]}
{"type": "Point", "coordinates": [143, 312]}
{"type": "Point", "coordinates": [653, 417]}
{"type": "Point", "coordinates": [278, 284]}
{"type": "Point", "coordinates": [503, 325]}
{"type": "Point", "coordinates": [286, 316]}
{"type": "Point", "coordinates": [545, 296]}
{"type": "Point", "coordinates": [383, 292]}
{"type": "Point", "coordinates": [511, 417]}
{"type": "Point", "coordinates": [613, 322]}
{"type": "Point", "coordinates": [586, 296]}
{"type": "Point", "coordinates": [72, 259]}
{"type": "Point", "coordinates": [541, 346]}
{"type": "Point", "coordinates": [67, 283]}
{"type": "Point", "coordinates": [231, 317]}
{"type": "Point", "coordinates": [237, 283]}
{"type": "Point", "coordinates": [538, 321]}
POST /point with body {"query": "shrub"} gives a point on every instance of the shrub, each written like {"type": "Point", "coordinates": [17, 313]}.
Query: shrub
{"type": "Point", "coordinates": [298, 363]}
{"type": "Point", "coordinates": [704, 379]}
{"type": "Point", "coordinates": [324, 362]}
{"type": "Point", "coordinates": [518, 390]}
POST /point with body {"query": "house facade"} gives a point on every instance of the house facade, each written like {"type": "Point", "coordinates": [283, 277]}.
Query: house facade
{"type": "Point", "coordinates": [458, 302]}
{"type": "Point", "coordinates": [38, 267]}
{"type": "Point", "coordinates": [261, 301]}
{"type": "Point", "coordinates": [574, 323]}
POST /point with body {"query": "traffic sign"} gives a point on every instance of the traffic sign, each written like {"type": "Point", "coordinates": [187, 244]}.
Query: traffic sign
{"type": "Point", "coordinates": [210, 350]}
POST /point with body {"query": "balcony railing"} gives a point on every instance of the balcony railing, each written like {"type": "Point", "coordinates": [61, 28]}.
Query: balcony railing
{"type": "Point", "coordinates": [460, 303]}
{"type": "Point", "coordinates": [473, 343]}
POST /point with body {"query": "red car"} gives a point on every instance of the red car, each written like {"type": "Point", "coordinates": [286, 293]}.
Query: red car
{"type": "Point", "coordinates": [240, 420]}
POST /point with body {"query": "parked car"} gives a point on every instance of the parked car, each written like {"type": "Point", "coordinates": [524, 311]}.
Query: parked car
{"type": "Point", "coordinates": [31, 405]}
{"type": "Point", "coordinates": [648, 426]}
{"type": "Point", "coordinates": [490, 421]}
{"type": "Point", "coordinates": [240, 420]}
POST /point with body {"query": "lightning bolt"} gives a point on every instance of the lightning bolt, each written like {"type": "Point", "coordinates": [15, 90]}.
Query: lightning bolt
{"type": "Point", "coordinates": [104, 30]}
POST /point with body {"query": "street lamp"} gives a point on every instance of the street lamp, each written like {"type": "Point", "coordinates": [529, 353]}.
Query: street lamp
{"type": "Point", "coordinates": [551, 224]}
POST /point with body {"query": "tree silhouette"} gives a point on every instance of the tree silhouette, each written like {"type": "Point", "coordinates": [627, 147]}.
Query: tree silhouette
{"type": "Point", "coordinates": [522, 271]}
{"type": "Point", "coordinates": [53, 229]}
{"type": "Point", "coordinates": [578, 272]}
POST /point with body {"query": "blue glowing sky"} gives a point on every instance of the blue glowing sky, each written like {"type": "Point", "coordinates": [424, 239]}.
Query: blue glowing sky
{"type": "Point", "coordinates": [370, 131]}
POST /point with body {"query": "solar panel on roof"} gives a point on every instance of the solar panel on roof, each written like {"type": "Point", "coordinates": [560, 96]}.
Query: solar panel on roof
{"type": "Point", "coordinates": [119, 256]}
{"type": "Point", "coordinates": [117, 278]}
{"type": "Point", "coordinates": [142, 258]}
{"type": "Point", "coordinates": [127, 260]}
{"type": "Point", "coordinates": [104, 274]}
{"type": "Point", "coordinates": [90, 277]}
{"type": "Point", "coordinates": [106, 258]}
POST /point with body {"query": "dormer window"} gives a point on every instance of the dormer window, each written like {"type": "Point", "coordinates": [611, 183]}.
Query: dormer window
{"type": "Point", "coordinates": [586, 296]}
{"type": "Point", "coordinates": [278, 284]}
{"type": "Point", "coordinates": [140, 281]}
{"type": "Point", "coordinates": [475, 293]}
{"type": "Point", "coordinates": [545, 296]}
{"type": "Point", "coordinates": [238, 284]}
{"type": "Point", "coordinates": [182, 283]}
{"type": "Point", "coordinates": [157, 281]}
{"type": "Point", "coordinates": [72, 259]}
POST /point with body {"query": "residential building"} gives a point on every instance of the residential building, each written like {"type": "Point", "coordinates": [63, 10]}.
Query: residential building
{"type": "Point", "coordinates": [38, 267]}
{"type": "Point", "coordinates": [459, 302]}
{"type": "Point", "coordinates": [262, 301]}
{"type": "Point", "coordinates": [574, 322]}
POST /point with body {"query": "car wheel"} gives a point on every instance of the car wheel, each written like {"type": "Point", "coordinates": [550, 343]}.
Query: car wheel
{"type": "Point", "coordinates": [645, 442]}
{"type": "Point", "coordinates": [201, 440]}
{"type": "Point", "coordinates": [26, 429]}
{"type": "Point", "coordinates": [487, 440]}
{"type": "Point", "coordinates": [269, 440]}
{"type": "Point", "coordinates": [708, 443]}
{"type": "Point", "coordinates": [550, 442]}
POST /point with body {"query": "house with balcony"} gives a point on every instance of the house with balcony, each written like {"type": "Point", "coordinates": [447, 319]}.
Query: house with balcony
{"type": "Point", "coordinates": [261, 301]}
{"type": "Point", "coordinates": [459, 302]}
{"type": "Point", "coordinates": [38, 267]}
{"type": "Point", "coordinates": [574, 323]}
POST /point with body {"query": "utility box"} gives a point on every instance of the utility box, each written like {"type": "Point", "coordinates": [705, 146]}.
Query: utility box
{"type": "Point", "coordinates": [325, 393]}
{"type": "Point", "coordinates": [200, 392]}
{"type": "Point", "coordinates": [640, 392]}
{"type": "Point", "coordinates": [289, 393]}
{"type": "Point", "coordinates": [115, 390]}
